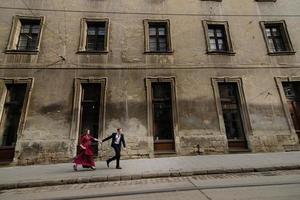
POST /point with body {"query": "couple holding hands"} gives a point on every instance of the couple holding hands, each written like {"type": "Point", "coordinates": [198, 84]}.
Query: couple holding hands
{"type": "Point", "coordinates": [85, 158]}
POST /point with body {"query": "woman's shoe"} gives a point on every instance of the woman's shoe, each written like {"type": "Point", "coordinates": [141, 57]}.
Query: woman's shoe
{"type": "Point", "coordinates": [93, 168]}
{"type": "Point", "coordinates": [75, 167]}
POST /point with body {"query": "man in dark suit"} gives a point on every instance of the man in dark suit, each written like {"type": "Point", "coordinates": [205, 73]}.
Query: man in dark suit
{"type": "Point", "coordinates": [117, 139]}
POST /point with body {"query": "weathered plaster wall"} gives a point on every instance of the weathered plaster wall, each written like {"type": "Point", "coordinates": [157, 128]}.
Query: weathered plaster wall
{"type": "Point", "coordinates": [46, 134]}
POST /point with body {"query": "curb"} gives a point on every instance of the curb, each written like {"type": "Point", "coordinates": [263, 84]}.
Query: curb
{"type": "Point", "coordinates": [142, 176]}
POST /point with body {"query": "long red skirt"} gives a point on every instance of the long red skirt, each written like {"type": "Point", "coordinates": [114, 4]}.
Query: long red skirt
{"type": "Point", "coordinates": [85, 159]}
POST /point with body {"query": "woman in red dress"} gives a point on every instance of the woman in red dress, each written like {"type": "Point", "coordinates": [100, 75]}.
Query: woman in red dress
{"type": "Point", "coordinates": [85, 158]}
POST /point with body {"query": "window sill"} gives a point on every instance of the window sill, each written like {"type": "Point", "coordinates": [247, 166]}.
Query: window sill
{"type": "Point", "coordinates": [92, 52]}
{"type": "Point", "coordinates": [213, 0]}
{"type": "Point", "coordinates": [265, 0]}
{"type": "Point", "coordinates": [31, 52]}
{"type": "Point", "coordinates": [163, 141]}
{"type": "Point", "coordinates": [282, 53]}
{"type": "Point", "coordinates": [159, 52]}
{"type": "Point", "coordinates": [236, 140]}
{"type": "Point", "coordinates": [228, 53]}
{"type": "Point", "coordinates": [7, 147]}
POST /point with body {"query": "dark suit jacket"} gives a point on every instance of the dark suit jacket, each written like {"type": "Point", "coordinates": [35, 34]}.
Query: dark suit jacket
{"type": "Point", "coordinates": [113, 137]}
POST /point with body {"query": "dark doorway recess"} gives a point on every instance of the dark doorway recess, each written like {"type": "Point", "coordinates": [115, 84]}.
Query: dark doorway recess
{"type": "Point", "coordinates": [163, 133]}
{"type": "Point", "coordinates": [10, 119]}
{"type": "Point", "coordinates": [292, 93]}
{"type": "Point", "coordinates": [231, 109]}
{"type": "Point", "coordinates": [90, 111]}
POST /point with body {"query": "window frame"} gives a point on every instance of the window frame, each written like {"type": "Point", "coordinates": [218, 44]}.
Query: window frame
{"type": "Point", "coordinates": [12, 46]}
{"type": "Point", "coordinates": [147, 23]}
{"type": "Point", "coordinates": [229, 50]}
{"type": "Point", "coordinates": [83, 35]}
{"type": "Point", "coordinates": [285, 37]}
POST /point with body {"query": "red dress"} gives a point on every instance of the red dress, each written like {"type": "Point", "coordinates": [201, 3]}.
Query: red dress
{"type": "Point", "coordinates": [85, 158]}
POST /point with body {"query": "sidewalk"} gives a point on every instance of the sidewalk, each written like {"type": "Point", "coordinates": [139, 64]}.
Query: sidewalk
{"type": "Point", "coordinates": [57, 174]}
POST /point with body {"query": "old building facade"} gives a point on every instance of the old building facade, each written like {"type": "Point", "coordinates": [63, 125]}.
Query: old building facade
{"type": "Point", "coordinates": [180, 77]}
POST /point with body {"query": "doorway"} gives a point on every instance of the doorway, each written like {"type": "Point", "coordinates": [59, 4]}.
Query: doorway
{"type": "Point", "coordinates": [233, 121]}
{"type": "Point", "coordinates": [14, 96]}
{"type": "Point", "coordinates": [292, 93]}
{"type": "Point", "coordinates": [162, 117]}
{"type": "Point", "coordinates": [90, 111]}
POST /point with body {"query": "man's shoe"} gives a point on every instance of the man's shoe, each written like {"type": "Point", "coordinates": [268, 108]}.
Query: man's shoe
{"type": "Point", "coordinates": [75, 167]}
{"type": "Point", "coordinates": [118, 167]}
{"type": "Point", "coordinates": [107, 163]}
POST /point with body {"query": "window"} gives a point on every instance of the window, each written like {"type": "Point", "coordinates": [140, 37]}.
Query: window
{"type": "Point", "coordinates": [277, 38]}
{"type": "Point", "coordinates": [217, 37]}
{"type": "Point", "coordinates": [157, 36]}
{"type": "Point", "coordinates": [29, 34]}
{"type": "Point", "coordinates": [25, 35]}
{"type": "Point", "coordinates": [94, 36]}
